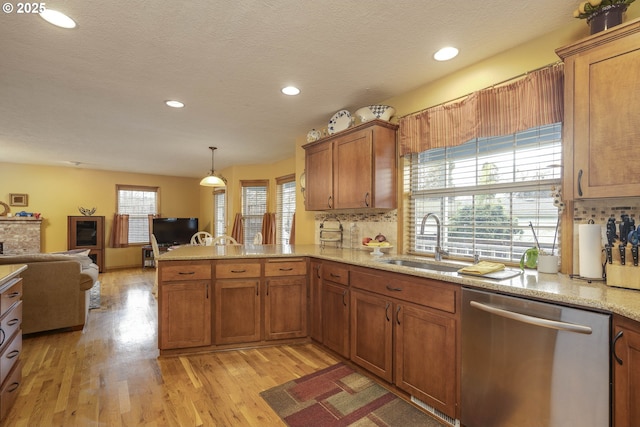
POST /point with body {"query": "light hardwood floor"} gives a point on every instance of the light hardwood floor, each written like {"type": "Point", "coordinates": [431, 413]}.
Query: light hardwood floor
{"type": "Point", "coordinates": [110, 374]}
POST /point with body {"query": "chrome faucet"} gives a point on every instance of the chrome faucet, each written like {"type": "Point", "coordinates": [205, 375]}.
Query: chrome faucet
{"type": "Point", "coordinates": [439, 252]}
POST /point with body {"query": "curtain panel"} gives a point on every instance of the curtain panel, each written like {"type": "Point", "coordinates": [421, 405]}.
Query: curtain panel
{"type": "Point", "coordinates": [237, 232]}
{"type": "Point", "coordinates": [120, 231]}
{"type": "Point", "coordinates": [292, 235]}
{"type": "Point", "coordinates": [269, 228]}
{"type": "Point", "coordinates": [534, 100]}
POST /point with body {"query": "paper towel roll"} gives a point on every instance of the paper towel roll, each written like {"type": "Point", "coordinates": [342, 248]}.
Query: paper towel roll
{"type": "Point", "coordinates": [590, 247]}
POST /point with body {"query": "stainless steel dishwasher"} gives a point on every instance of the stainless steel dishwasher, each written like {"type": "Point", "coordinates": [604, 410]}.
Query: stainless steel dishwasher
{"type": "Point", "coordinates": [529, 363]}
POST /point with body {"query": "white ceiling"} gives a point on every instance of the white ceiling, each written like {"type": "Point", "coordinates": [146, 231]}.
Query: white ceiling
{"type": "Point", "coordinates": [95, 94]}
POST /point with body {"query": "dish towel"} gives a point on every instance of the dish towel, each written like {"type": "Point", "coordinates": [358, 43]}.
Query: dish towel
{"type": "Point", "coordinates": [483, 267]}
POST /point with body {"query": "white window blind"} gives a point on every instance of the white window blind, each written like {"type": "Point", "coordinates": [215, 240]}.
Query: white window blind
{"type": "Point", "coordinates": [138, 202]}
{"type": "Point", "coordinates": [254, 206]}
{"type": "Point", "coordinates": [285, 207]}
{"type": "Point", "coordinates": [486, 192]}
{"type": "Point", "coordinates": [219, 209]}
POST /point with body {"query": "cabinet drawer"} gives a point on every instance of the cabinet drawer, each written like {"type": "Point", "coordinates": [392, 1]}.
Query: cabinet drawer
{"type": "Point", "coordinates": [10, 390]}
{"type": "Point", "coordinates": [9, 324]}
{"type": "Point", "coordinates": [183, 271]}
{"type": "Point", "coordinates": [416, 290]}
{"type": "Point", "coordinates": [10, 355]}
{"type": "Point", "coordinates": [337, 273]}
{"type": "Point", "coordinates": [10, 296]}
{"type": "Point", "coordinates": [285, 268]}
{"type": "Point", "coordinates": [231, 270]}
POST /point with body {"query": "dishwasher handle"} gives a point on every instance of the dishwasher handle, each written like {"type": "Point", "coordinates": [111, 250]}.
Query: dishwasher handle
{"type": "Point", "coordinates": [532, 320]}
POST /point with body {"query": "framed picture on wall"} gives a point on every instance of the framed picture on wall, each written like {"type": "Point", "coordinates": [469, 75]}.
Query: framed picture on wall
{"type": "Point", "coordinates": [18, 199]}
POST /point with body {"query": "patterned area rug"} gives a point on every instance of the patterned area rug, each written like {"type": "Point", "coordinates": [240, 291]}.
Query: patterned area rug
{"type": "Point", "coordinates": [94, 296]}
{"type": "Point", "coordinates": [338, 396]}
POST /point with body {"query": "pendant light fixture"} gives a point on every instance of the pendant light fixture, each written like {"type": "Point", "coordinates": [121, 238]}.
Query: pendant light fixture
{"type": "Point", "coordinates": [213, 179]}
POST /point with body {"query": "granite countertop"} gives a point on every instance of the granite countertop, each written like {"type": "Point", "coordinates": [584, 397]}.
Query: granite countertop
{"type": "Point", "coordinates": [9, 271]}
{"type": "Point", "coordinates": [550, 287]}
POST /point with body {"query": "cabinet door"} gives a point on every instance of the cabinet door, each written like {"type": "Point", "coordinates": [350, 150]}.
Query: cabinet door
{"type": "Point", "coordinates": [354, 169]}
{"type": "Point", "coordinates": [371, 333]}
{"type": "Point", "coordinates": [285, 308]}
{"type": "Point", "coordinates": [315, 301]}
{"type": "Point", "coordinates": [425, 364]}
{"type": "Point", "coordinates": [319, 177]}
{"type": "Point", "coordinates": [626, 373]}
{"type": "Point", "coordinates": [185, 315]}
{"type": "Point", "coordinates": [237, 311]}
{"type": "Point", "coordinates": [607, 124]}
{"type": "Point", "coordinates": [335, 317]}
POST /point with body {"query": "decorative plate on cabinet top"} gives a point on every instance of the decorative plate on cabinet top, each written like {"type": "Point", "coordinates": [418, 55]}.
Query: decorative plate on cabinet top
{"type": "Point", "coordinates": [371, 112]}
{"type": "Point", "coordinates": [313, 135]}
{"type": "Point", "coordinates": [340, 121]}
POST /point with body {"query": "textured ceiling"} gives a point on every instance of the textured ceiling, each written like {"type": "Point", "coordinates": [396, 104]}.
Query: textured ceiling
{"type": "Point", "coordinates": [94, 95]}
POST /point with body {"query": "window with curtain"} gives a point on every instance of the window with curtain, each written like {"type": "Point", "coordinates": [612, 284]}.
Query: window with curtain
{"type": "Point", "coordinates": [219, 209]}
{"type": "Point", "coordinates": [486, 193]}
{"type": "Point", "coordinates": [285, 207]}
{"type": "Point", "coordinates": [138, 202]}
{"type": "Point", "coordinates": [254, 206]}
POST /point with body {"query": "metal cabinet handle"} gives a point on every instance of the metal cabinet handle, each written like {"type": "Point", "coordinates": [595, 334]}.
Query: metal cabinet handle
{"type": "Point", "coordinates": [329, 202]}
{"type": "Point", "coordinates": [286, 269]}
{"type": "Point", "coordinates": [613, 347]}
{"type": "Point", "coordinates": [398, 315]}
{"type": "Point", "coordinates": [13, 295]}
{"type": "Point", "coordinates": [4, 335]}
{"type": "Point", "coordinates": [186, 273]}
{"type": "Point", "coordinates": [337, 276]}
{"type": "Point", "coordinates": [239, 271]}
{"type": "Point", "coordinates": [344, 300]}
{"type": "Point", "coordinates": [207, 291]}
{"type": "Point", "coordinates": [267, 290]}
{"type": "Point", "coordinates": [318, 271]}
{"type": "Point", "coordinates": [391, 288]}
{"type": "Point", "coordinates": [257, 290]}
{"type": "Point", "coordinates": [13, 322]}
{"type": "Point", "coordinates": [13, 354]}
{"type": "Point", "coordinates": [366, 199]}
{"type": "Point", "coordinates": [386, 311]}
{"type": "Point", "coordinates": [13, 387]}
{"type": "Point", "coordinates": [580, 182]}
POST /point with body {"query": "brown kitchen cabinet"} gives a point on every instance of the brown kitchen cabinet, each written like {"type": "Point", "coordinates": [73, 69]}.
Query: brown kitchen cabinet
{"type": "Point", "coordinates": [601, 121]}
{"type": "Point", "coordinates": [406, 330]}
{"type": "Point", "coordinates": [626, 371]}
{"type": "Point", "coordinates": [285, 307]}
{"type": "Point", "coordinates": [315, 301]}
{"type": "Point", "coordinates": [335, 307]}
{"type": "Point", "coordinates": [353, 169]}
{"type": "Point", "coordinates": [184, 304]}
{"type": "Point", "coordinates": [238, 317]}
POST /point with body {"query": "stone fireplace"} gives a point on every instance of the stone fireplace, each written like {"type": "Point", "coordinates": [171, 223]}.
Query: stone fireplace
{"type": "Point", "coordinates": [19, 235]}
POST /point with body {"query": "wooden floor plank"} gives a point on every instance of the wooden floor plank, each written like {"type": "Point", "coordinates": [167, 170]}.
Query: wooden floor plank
{"type": "Point", "coordinates": [109, 374]}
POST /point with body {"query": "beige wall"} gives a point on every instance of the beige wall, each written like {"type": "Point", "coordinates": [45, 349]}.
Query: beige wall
{"type": "Point", "coordinates": [57, 192]}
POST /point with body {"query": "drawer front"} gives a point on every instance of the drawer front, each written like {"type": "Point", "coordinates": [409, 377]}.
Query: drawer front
{"type": "Point", "coordinates": [10, 390]}
{"type": "Point", "coordinates": [10, 296]}
{"type": "Point", "coordinates": [336, 273]}
{"type": "Point", "coordinates": [232, 270]}
{"type": "Point", "coordinates": [9, 324]}
{"type": "Point", "coordinates": [285, 268]}
{"type": "Point", "coordinates": [10, 355]}
{"type": "Point", "coordinates": [416, 290]}
{"type": "Point", "coordinates": [183, 271]}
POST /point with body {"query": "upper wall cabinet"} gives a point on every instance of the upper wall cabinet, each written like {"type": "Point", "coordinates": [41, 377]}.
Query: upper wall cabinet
{"type": "Point", "coordinates": [353, 169]}
{"type": "Point", "coordinates": [601, 115]}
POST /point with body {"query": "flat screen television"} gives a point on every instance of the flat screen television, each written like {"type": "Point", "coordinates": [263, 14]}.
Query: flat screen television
{"type": "Point", "coordinates": [174, 231]}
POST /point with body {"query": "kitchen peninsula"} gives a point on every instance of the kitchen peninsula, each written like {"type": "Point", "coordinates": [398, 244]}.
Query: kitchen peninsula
{"type": "Point", "coordinates": [392, 320]}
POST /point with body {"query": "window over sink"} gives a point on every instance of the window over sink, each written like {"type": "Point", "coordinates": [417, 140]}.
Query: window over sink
{"type": "Point", "coordinates": [487, 191]}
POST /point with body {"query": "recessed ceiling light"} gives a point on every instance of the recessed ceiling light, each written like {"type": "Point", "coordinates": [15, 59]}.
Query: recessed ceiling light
{"type": "Point", "coordinates": [58, 19]}
{"type": "Point", "coordinates": [290, 90]}
{"type": "Point", "coordinates": [174, 104]}
{"type": "Point", "coordinates": [445, 54]}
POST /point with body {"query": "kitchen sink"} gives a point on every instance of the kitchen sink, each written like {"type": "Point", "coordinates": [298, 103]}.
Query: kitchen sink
{"type": "Point", "coordinates": [423, 265]}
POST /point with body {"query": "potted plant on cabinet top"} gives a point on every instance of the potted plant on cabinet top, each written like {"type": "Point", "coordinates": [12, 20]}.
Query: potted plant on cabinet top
{"type": "Point", "coordinates": [602, 14]}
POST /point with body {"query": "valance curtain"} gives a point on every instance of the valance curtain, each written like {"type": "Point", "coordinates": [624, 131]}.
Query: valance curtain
{"type": "Point", "coordinates": [237, 232]}
{"type": "Point", "coordinates": [534, 100]}
{"type": "Point", "coordinates": [269, 228]}
{"type": "Point", "coordinates": [120, 231]}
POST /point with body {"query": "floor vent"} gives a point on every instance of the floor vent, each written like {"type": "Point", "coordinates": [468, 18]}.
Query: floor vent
{"type": "Point", "coordinates": [444, 417]}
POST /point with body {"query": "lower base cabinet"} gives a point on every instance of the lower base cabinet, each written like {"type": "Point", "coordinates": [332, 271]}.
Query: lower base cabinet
{"type": "Point", "coordinates": [237, 308]}
{"type": "Point", "coordinates": [626, 372]}
{"type": "Point", "coordinates": [285, 308]}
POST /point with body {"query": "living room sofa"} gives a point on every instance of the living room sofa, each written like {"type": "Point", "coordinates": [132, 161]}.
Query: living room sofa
{"type": "Point", "coordinates": [55, 289]}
